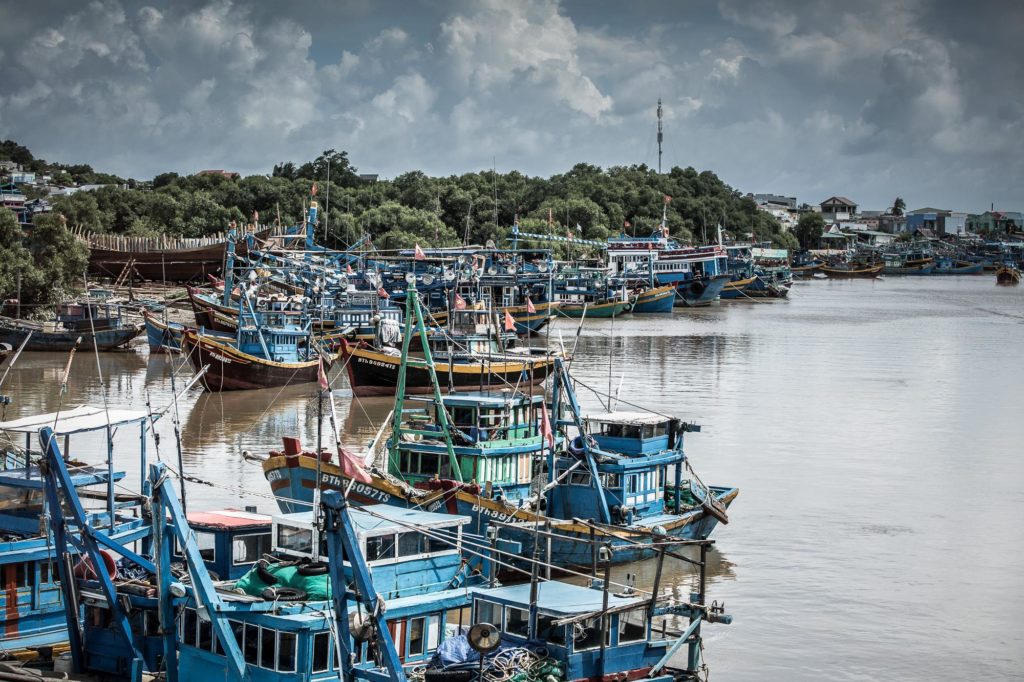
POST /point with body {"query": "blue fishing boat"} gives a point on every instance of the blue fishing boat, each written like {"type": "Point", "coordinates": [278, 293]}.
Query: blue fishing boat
{"type": "Point", "coordinates": [655, 299]}
{"type": "Point", "coordinates": [699, 273]}
{"type": "Point", "coordinates": [950, 266]}
{"type": "Point", "coordinates": [31, 610]}
{"type": "Point", "coordinates": [164, 336]}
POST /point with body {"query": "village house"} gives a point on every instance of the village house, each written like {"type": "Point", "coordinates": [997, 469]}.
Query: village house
{"type": "Point", "coordinates": [937, 220]}
{"type": "Point", "coordinates": [995, 221]}
{"type": "Point", "coordinates": [835, 209]}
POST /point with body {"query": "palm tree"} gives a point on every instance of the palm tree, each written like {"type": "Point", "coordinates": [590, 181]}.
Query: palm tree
{"type": "Point", "coordinates": [898, 206]}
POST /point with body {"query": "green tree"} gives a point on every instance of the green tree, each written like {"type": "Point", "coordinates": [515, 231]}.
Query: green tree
{"type": "Point", "coordinates": [899, 206]}
{"type": "Point", "coordinates": [809, 230]}
{"type": "Point", "coordinates": [15, 259]}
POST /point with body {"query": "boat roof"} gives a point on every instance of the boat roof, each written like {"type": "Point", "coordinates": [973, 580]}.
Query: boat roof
{"type": "Point", "coordinates": [557, 598]}
{"type": "Point", "coordinates": [75, 420]}
{"type": "Point", "coordinates": [225, 519]}
{"type": "Point", "coordinates": [632, 418]}
{"type": "Point", "coordinates": [490, 398]}
{"type": "Point", "coordinates": [372, 519]}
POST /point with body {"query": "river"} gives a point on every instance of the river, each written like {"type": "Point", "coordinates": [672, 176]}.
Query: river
{"type": "Point", "coordinates": [871, 427]}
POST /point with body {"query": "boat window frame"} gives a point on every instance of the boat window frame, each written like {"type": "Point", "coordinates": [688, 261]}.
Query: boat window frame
{"type": "Point", "coordinates": [270, 545]}
{"type": "Point", "coordinates": [281, 636]}
{"type": "Point", "coordinates": [328, 656]}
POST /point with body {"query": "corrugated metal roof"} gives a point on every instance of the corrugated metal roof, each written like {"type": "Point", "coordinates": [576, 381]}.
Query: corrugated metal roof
{"type": "Point", "coordinates": [74, 420]}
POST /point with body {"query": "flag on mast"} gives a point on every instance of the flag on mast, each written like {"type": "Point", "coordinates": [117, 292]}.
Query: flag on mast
{"type": "Point", "coordinates": [530, 308]}
{"type": "Point", "coordinates": [510, 323]}
{"type": "Point", "coordinates": [545, 428]}
{"type": "Point", "coordinates": [460, 303]}
{"type": "Point", "coordinates": [418, 253]}
{"type": "Point", "coordinates": [383, 293]}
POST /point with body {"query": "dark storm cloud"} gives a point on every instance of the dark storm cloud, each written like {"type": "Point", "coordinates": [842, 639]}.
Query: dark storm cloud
{"type": "Point", "coordinates": [866, 99]}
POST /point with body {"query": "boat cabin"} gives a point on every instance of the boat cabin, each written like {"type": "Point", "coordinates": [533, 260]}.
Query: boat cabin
{"type": "Point", "coordinates": [568, 621]}
{"type": "Point", "coordinates": [408, 551]}
{"type": "Point", "coordinates": [230, 541]}
{"type": "Point", "coordinates": [636, 454]}
{"type": "Point", "coordinates": [31, 609]}
{"type": "Point", "coordinates": [497, 435]}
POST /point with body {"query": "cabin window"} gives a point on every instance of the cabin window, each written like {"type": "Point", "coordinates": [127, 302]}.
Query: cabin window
{"type": "Point", "coordinates": [268, 645]}
{"type": "Point", "coordinates": [380, 547]}
{"type": "Point", "coordinates": [587, 635]}
{"type": "Point", "coordinates": [44, 572]}
{"type": "Point", "coordinates": [321, 651]}
{"type": "Point", "coordinates": [238, 632]}
{"type": "Point", "coordinates": [579, 477]}
{"type": "Point", "coordinates": [611, 481]}
{"type": "Point", "coordinates": [517, 622]}
{"type": "Point", "coordinates": [632, 483]}
{"type": "Point", "coordinates": [247, 549]}
{"type": "Point", "coordinates": [632, 626]}
{"type": "Point", "coordinates": [252, 643]}
{"type": "Point", "coordinates": [463, 416]}
{"type": "Point", "coordinates": [205, 641]}
{"type": "Point", "coordinates": [487, 612]}
{"type": "Point", "coordinates": [286, 652]}
{"type": "Point", "coordinates": [417, 626]}
{"type": "Point", "coordinates": [410, 544]}
{"type": "Point", "coordinates": [429, 462]}
{"type": "Point", "coordinates": [549, 632]}
{"type": "Point", "coordinates": [188, 627]}
{"type": "Point", "coordinates": [295, 539]}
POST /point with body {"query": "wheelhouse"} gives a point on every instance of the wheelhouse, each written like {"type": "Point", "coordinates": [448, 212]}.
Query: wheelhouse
{"type": "Point", "coordinates": [231, 541]}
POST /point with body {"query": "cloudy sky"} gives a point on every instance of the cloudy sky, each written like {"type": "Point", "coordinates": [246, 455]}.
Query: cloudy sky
{"type": "Point", "coordinates": [867, 99]}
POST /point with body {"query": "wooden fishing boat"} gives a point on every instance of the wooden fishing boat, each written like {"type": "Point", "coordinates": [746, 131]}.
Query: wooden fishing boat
{"type": "Point", "coordinates": [591, 310]}
{"type": "Point", "coordinates": [656, 300]}
{"type": "Point", "coordinates": [56, 337]}
{"type": "Point", "coordinates": [232, 369]}
{"type": "Point", "coordinates": [1007, 275]}
{"type": "Point", "coordinates": [852, 271]}
{"type": "Point", "coordinates": [160, 258]}
{"type": "Point", "coordinates": [373, 371]}
{"type": "Point", "coordinates": [165, 336]}
{"type": "Point", "coordinates": [735, 288]}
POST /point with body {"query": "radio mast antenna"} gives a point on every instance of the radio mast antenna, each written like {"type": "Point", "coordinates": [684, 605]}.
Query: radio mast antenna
{"type": "Point", "coordinates": [661, 136]}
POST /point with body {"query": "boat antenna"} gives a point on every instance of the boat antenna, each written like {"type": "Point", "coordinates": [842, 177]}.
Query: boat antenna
{"type": "Point", "coordinates": [661, 136]}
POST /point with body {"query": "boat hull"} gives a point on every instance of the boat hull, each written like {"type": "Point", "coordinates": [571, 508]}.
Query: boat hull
{"type": "Point", "coordinates": [735, 288]}
{"type": "Point", "coordinates": [595, 310]}
{"type": "Point", "coordinates": [657, 300]}
{"type": "Point", "coordinates": [699, 293]}
{"type": "Point", "coordinates": [973, 269]}
{"type": "Point", "coordinates": [63, 341]}
{"type": "Point", "coordinates": [870, 272]}
{"type": "Point", "coordinates": [293, 480]}
{"type": "Point", "coordinates": [372, 373]}
{"type": "Point", "coordinates": [925, 269]}
{"type": "Point", "coordinates": [233, 370]}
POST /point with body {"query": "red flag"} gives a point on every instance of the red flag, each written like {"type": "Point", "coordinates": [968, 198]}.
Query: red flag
{"type": "Point", "coordinates": [348, 268]}
{"type": "Point", "coordinates": [418, 253]}
{"type": "Point", "coordinates": [460, 303]}
{"type": "Point", "coordinates": [321, 376]}
{"type": "Point", "coordinates": [545, 428]}
{"type": "Point", "coordinates": [313, 191]}
{"type": "Point", "coordinates": [351, 467]}
{"type": "Point", "coordinates": [530, 308]}
{"type": "Point", "coordinates": [382, 292]}
{"type": "Point", "coordinates": [625, 224]}
{"type": "Point", "coordinates": [510, 323]}
{"type": "Point", "coordinates": [667, 198]}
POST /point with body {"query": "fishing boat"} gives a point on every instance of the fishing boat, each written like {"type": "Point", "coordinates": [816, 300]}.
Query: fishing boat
{"type": "Point", "coordinates": [907, 264]}
{"type": "Point", "coordinates": [31, 610]}
{"type": "Point", "coordinates": [470, 353]}
{"type": "Point", "coordinates": [736, 287]}
{"type": "Point", "coordinates": [591, 292]}
{"type": "Point", "coordinates": [100, 325]}
{"type": "Point", "coordinates": [164, 336]}
{"type": "Point", "coordinates": [658, 299]}
{"type": "Point", "coordinates": [852, 270]}
{"type": "Point", "coordinates": [272, 348]}
{"type": "Point", "coordinates": [804, 264]}
{"type": "Point", "coordinates": [949, 266]}
{"type": "Point", "coordinates": [1007, 275]}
